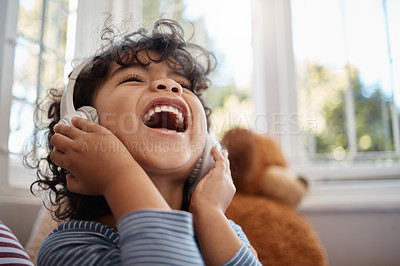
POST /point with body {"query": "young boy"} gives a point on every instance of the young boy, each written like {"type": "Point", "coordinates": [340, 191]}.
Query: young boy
{"type": "Point", "coordinates": [125, 184]}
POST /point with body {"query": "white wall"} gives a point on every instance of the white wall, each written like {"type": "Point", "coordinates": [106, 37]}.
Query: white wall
{"type": "Point", "coordinates": [19, 215]}
{"type": "Point", "coordinates": [354, 237]}
{"type": "Point", "coordinates": [357, 222]}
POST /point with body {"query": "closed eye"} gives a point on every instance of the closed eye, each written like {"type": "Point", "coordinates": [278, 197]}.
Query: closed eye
{"type": "Point", "coordinates": [132, 78]}
{"type": "Point", "coordinates": [185, 85]}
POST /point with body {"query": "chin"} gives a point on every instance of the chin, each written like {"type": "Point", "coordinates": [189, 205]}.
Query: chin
{"type": "Point", "coordinates": [168, 159]}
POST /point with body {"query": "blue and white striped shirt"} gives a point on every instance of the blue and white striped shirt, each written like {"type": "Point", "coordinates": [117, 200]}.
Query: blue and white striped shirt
{"type": "Point", "coordinates": [144, 237]}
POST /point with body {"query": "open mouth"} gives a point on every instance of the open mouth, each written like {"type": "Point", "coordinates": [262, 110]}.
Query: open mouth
{"type": "Point", "coordinates": [165, 116]}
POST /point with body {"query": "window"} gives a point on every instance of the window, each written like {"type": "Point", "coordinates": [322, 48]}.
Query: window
{"type": "Point", "coordinates": [330, 66]}
{"type": "Point", "coordinates": [38, 62]}
{"type": "Point", "coordinates": [346, 55]}
{"type": "Point", "coordinates": [38, 42]}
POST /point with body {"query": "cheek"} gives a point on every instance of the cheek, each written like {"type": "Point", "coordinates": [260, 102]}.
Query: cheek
{"type": "Point", "coordinates": [200, 128]}
{"type": "Point", "coordinates": [199, 119]}
{"type": "Point", "coordinates": [127, 123]}
{"type": "Point", "coordinates": [119, 117]}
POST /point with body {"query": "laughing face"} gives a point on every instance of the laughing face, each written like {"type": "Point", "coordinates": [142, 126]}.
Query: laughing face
{"type": "Point", "coordinates": [153, 112]}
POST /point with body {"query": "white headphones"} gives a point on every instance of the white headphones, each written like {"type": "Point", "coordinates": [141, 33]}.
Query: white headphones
{"type": "Point", "coordinates": [67, 108]}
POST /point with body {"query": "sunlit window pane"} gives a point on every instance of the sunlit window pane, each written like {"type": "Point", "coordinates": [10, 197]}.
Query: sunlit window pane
{"type": "Point", "coordinates": [393, 20]}
{"type": "Point", "coordinates": [21, 125]}
{"type": "Point", "coordinates": [370, 73]}
{"type": "Point", "coordinates": [393, 11]}
{"type": "Point", "coordinates": [38, 62]}
{"type": "Point", "coordinates": [28, 23]}
{"type": "Point", "coordinates": [25, 70]}
{"type": "Point", "coordinates": [321, 91]}
{"type": "Point", "coordinates": [322, 76]}
{"type": "Point", "coordinates": [49, 70]}
{"type": "Point", "coordinates": [345, 76]}
{"type": "Point", "coordinates": [55, 28]}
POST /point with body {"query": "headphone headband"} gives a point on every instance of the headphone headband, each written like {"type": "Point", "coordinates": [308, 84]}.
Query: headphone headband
{"type": "Point", "coordinates": [67, 108]}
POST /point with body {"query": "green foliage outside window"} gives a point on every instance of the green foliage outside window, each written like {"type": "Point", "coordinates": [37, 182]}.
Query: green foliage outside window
{"type": "Point", "coordinates": [323, 91]}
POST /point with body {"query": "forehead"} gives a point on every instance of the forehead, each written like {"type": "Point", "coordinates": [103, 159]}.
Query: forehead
{"type": "Point", "coordinates": [148, 59]}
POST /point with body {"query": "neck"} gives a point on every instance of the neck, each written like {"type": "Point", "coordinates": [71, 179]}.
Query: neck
{"type": "Point", "coordinates": [171, 191]}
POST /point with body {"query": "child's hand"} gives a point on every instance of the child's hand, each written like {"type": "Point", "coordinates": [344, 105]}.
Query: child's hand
{"type": "Point", "coordinates": [93, 155]}
{"type": "Point", "coordinates": [216, 189]}
{"type": "Point", "coordinates": [217, 240]}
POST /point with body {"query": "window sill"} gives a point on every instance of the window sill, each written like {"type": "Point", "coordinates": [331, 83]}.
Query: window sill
{"type": "Point", "coordinates": [350, 170]}
{"type": "Point", "coordinates": [352, 196]}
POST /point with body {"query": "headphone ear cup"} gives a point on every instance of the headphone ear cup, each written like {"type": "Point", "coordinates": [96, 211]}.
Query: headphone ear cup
{"type": "Point", "coordinates": [89, 113]}
{"type": "Point", "coordinates": [201, 169]}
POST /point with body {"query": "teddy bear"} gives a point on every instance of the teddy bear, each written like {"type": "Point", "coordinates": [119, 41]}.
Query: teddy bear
{"type": "Point", "coordinates": [268, 192]}
{"type": "Point", "coordinates": [258, 167]}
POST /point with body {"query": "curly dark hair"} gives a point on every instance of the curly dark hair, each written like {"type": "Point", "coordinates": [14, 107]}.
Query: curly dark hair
{"type": "Point", "coordinates": [167, 39]}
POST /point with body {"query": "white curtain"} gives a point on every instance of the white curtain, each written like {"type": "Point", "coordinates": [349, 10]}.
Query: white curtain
{"type": "Point", "coordinates": [90, 17]}
{"type": "Point", "coordinates": [274, 77]}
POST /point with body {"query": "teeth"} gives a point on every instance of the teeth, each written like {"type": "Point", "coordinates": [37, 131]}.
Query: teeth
{"type": "Point", "coordinates": [179, 120]}
{"type": "Point", "coordinates": [150, 112]}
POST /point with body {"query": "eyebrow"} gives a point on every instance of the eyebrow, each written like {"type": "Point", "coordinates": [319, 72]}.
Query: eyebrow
{"type": "Point", "coordinates": [121, 68]}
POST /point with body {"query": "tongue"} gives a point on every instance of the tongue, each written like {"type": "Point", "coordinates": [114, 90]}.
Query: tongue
{"type": "Point", "coordinates": [162, 120]}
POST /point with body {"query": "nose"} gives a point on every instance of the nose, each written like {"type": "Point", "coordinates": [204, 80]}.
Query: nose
{"type": "Point", "coordinates": [167, 84]}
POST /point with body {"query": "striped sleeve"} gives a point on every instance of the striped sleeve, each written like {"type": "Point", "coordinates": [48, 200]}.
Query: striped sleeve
{"type": "Point", "coordinates": [158, 237]}
{"type": "Point", "coordinates": [80, 243]}
{"type": "Point", "coordinates": [244, 256]}
{"type": "Point", "coordinates": [11, 251]}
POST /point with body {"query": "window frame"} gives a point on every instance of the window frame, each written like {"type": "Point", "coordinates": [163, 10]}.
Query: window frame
{"type": "Point", "coordinates": [332, 185]}
{"type": "Point", "coordinates": [8, 31]}
{"type": "Point", "coordinates": [11, 164]}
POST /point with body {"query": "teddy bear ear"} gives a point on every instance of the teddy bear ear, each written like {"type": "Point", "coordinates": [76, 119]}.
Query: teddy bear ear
{"type": "Point", "coordinates": [240, 145]}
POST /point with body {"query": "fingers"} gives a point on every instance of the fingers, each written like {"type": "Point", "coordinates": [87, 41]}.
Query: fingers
{"type": "Point", "coordinates": [220, 156]}
{"type": "Point", "coordinates": [58, 158]}
{"type": "Point", "coordinates": [221, 159]}
{"type": "Point", "coordinates": [79, 125]}
{"type": "Point", "coordinates": [61, 142]}
{"type": "Point", "coordinates": [67, 130]}
{"type": "Point", "coordinates": [228, 164]}
{"type": "Point", "coordinates": [85, 124]}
